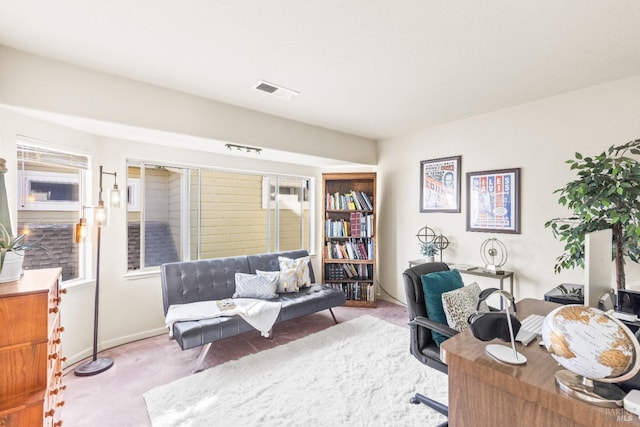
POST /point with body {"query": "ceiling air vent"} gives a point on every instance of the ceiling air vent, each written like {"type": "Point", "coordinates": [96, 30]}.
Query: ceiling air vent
{"type": "Point", "coordinates": [275, 90]}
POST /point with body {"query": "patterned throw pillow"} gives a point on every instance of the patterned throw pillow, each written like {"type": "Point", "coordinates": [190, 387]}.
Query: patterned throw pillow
{"type": "Point", "coordinates": [302, 269]}
{"type": "Point", "coordinates": [461, 303]}
{"type": "Point", "coordinates": [254, 286]}
{"type": "Point", "coordinates": [287, 279]}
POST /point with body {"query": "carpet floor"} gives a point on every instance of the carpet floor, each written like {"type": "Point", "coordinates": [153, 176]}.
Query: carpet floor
{"type": "Point", "coordinates": [115, 397]}
{"type": "Point", "coordinates": [357, 373]}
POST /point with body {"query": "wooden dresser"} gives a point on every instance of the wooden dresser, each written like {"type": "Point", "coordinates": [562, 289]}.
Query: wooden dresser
{"type": "Point", "coordinates": [30, 350]}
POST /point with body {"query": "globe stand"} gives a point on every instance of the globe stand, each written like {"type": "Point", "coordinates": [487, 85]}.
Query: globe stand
{"type": "Point", "coordinates": [597, 393]}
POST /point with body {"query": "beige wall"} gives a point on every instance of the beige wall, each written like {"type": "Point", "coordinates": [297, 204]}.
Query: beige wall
{"type": "Point", "coordinates": [131, 305]}
{"type": "Point", "coordinates": [536, 137]}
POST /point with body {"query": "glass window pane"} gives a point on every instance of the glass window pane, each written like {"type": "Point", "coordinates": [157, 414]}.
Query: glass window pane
{"type": "Point", "coordinates": [232, 219]}
{"type": "Point", "coordinates": [50, 186]}
{"type": "Point", "coordinates": [225, 213]}
{"type": "Point", "coordinates": [162, 206]}
{"type": "Point", "coordinates": [293, 212]}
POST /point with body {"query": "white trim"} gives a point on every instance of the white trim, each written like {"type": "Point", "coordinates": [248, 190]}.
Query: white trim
{"type": "Point", "coordinates": [39, 201]}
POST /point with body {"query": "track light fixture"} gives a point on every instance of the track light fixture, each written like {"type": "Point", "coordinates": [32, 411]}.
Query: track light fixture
{"type": "Point", "coordinates": [245, 148]}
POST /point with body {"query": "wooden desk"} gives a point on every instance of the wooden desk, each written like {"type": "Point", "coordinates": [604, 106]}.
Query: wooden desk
{"type": "Point", "coordinates": [485, 392]}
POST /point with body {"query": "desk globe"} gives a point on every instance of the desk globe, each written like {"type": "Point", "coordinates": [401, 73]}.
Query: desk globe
{"type": "Point", "coordinates": [596, 349]}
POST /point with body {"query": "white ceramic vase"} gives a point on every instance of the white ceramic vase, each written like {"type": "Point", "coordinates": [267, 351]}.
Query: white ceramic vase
{"type": "Point", "coordinates": [430, 258]}
{"type": "Point", "coordinates": [12, 267]}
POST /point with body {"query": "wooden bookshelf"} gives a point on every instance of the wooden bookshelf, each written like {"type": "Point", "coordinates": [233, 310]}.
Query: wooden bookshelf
{"type": "Point", "coordinates": [349, 254]}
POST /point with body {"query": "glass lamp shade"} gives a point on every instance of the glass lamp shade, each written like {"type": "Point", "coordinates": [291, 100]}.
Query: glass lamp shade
{"type": "Point", "coordinates": [81, 230]}
{"type": "Point", "coordinates": [100, 213]}
{"type": "Point", "coordinates": [115, 197]}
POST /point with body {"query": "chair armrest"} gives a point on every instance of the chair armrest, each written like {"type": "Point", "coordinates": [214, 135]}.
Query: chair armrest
{"type": "Point", "coordinates": [435, 326]}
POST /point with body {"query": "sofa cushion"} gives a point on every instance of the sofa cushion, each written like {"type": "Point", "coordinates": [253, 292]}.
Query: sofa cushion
{"type": "Point", "coordinates": [254, 286]}
{"type": "Point", "coordinates": [302, 269]}
{"type": "Point", "coordinates": [433, 286]}
{"type": "Point", "coordinates": [287, 279]}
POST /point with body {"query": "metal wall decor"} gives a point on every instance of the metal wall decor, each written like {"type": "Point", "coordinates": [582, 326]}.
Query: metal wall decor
{"type": "Point", "coordinates": [427, 235]}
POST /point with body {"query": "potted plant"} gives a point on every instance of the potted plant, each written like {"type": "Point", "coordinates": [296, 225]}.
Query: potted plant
{"type": "Point", "coordinates": [11, 254]}
{"type": "Point", "coordinates": [429, 250]}
{"type": "Point", "coordinates": [604, 195]}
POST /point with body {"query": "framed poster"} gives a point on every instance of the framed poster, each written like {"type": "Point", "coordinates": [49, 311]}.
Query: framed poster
{"type": "Point", "coordinates": [440, 185]}
{"type": "Point", "coordinates": [493, 201]}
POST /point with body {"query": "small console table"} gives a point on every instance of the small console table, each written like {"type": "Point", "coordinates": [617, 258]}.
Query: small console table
{"type": "Point", "coordinates": [477, 271]}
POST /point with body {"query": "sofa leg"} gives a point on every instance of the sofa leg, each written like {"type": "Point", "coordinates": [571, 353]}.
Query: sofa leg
{"type": "Point", "coordinates": [334, 316]}
{"type": "Point", "coordinates": [203, 354]}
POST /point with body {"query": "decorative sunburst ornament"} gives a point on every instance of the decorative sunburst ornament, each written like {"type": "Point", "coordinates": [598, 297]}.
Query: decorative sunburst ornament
{"type": "Point", "coordinates": [494, 254]}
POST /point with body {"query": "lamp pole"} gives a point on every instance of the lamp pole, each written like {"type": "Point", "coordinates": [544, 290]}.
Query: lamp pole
{"type": "Point", "coordinates": [97, 365]}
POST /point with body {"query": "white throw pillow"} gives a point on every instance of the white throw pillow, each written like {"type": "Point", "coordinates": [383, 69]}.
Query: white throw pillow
{"type": "Point", "coordinates": [461, 303]}
{"type": "Point", "coordinates": [254, 286]}
{"type": "Point", "coordinates": [302, 269]}
{"type": "Point", "coordinates": [287, 279]}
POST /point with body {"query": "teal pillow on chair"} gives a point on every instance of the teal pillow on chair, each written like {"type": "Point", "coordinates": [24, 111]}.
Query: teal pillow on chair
{"type": "Point", "coordinates": [433, 286]}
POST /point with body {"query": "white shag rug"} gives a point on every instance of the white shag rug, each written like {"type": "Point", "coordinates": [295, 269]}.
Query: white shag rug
{"type": "Point", "coordinates": [357, 373]}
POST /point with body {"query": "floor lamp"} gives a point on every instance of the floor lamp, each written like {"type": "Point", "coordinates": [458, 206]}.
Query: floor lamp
{"type": "Point", "coordinates": [96, 364]}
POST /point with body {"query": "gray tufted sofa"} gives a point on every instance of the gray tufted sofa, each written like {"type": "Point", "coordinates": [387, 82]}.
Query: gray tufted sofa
{"type": "Point", "coordinates": [214, 279]}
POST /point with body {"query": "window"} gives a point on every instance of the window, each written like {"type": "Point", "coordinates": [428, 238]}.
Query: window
{"type": "Point", "coordinates": [50, 195]}
{"type": "Point", "coordinates": [195, 213]}
{"type": "Point", "coordinates": [43, 190]}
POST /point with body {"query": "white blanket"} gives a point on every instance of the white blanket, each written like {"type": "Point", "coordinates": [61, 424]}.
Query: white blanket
{"type": "Point", "coordinates": [258, 313]}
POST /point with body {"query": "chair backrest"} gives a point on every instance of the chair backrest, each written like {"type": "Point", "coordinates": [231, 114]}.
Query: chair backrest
{"type": "Point", "coordinates": [415, 296]}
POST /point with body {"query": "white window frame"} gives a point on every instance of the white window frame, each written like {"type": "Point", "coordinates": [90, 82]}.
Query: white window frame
{"type": "Point", "coordinates": [26, 180]}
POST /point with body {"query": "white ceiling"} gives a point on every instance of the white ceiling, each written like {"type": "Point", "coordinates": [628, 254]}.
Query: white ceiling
{"type": "Point", "coordinates": [374, 68]}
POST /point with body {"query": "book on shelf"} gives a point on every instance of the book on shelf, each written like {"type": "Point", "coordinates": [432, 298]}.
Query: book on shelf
{"type": "Point", "coordinates": [354, 200]}
{"type": "Point", "coordinates": [356, 250]}
{"type": "Point", "coordinates": [355, 219]}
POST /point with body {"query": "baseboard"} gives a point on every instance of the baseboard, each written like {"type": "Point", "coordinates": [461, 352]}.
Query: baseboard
{"type": "Point", "coordinates": [105, 345]}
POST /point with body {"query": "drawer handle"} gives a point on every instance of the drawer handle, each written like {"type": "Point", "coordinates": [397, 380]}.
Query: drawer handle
{"type": "Point", "coordinates": [53, 310]}
{"type": "Point", "coordinates": [56, 341]}
{"type": "Point", "coordinates": [61, 329]}
{"type": "Point", "coordinates": [63, 359]}
{"type": "Point", "coordinates": [57, 423]}
{"type": "Point", "coordinates": [63, 291]}
{"type": "Point", "coordinates": [61, 403]}
{"type": "Point", "coordinates": [50, 413]}
{"type": "Point", "coordinates": [53, 356]}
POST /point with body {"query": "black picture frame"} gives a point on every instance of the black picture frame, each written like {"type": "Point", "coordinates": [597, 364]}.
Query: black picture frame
{"type": "Point", "coordinates": [493, 201]}
{"type": "Point", "coordinates": [440, 184]}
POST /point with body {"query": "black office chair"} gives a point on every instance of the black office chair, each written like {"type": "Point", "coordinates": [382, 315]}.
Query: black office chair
{"type": "Point", "coordinates": [422, 346]}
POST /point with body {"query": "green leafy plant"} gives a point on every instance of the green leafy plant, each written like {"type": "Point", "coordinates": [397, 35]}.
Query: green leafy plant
{"type": "Point", "coordinates": [606, 194]}
{"type": "Point", "coordinates": [9, 244]}
{"type": "Point", "coordinates": [428, 249]}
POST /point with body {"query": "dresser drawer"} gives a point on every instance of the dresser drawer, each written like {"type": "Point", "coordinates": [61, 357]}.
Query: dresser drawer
{"type": "Point", "coordinates": [28, 413]}
{"type": "Point", "coordinates": [23, 369]}
{"type": "Point", "coordinates": [23, 319]}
